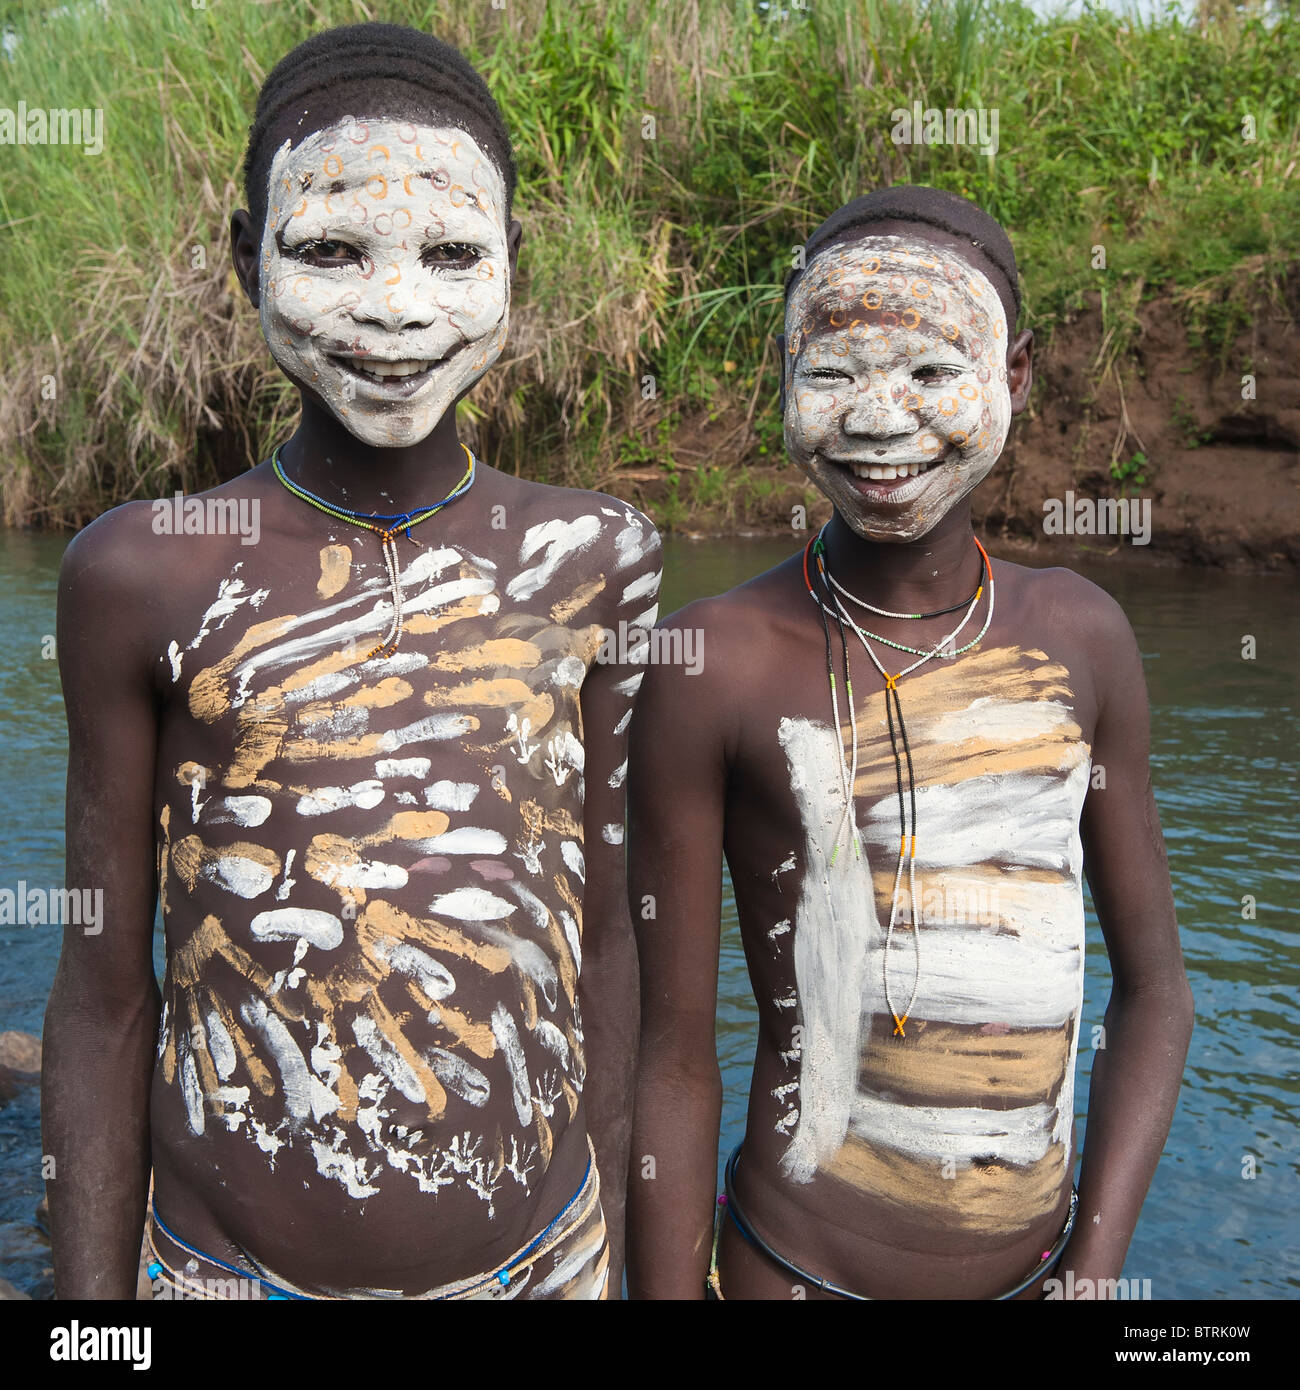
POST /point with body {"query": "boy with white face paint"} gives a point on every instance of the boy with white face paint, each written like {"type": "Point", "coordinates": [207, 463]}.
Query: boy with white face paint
{"type": "Point", "coordinates": [372, 768]}
{"type": "Point", "coordinates": [898, 404]}
{"type": "Point", "coordinates": [916, 755]}
{"type": "Point", "coordinates": [385, 237]}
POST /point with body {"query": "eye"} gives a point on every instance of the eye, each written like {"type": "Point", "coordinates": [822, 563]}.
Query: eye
{"type": "Point", "coordinates": [324, 252]}
{"type": "Point", "coordinates": [824, 374]}
{"type": "Point", "coordinates": [453, 253]}
{"type": "Point", "coordinates": [934, 373]}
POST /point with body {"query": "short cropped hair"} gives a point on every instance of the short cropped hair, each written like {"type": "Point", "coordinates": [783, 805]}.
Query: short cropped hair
{"type": "Point", "coordinates": [934, 207]}
{"type": "Point", "coordinates": [371, 70]}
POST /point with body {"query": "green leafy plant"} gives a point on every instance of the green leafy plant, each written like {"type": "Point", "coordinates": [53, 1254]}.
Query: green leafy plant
{"type": "Point", "coordinates": [1184, 425]}
{"type": "Point", "coordinates": [651, 248]}
{"type": "Point", "coordinates": [1132, 472]}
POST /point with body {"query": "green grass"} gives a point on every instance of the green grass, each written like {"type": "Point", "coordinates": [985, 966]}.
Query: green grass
{"type": "Point", "coordinates": [133, 366]}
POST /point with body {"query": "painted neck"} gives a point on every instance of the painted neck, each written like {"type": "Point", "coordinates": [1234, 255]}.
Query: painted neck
{"type": "Point", "coordinates": [940, 568]}
{"type": "Point", "coordinates": [325, 459]}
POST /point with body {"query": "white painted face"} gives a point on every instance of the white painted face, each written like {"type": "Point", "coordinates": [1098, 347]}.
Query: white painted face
{"type": "Point", "coordinates": [896, 385]}
{"type": "Point", "coordinates": [385, 274]}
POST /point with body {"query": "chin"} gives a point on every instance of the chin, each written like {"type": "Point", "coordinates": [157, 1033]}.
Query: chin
{"type": "Point", "coordinates": [861, 520]}
{"type": "Point", "coordinates": [872, 527]}
{"type": "Point", "coordinates": [900, 528]}
{"type": "Point", "coordinates": [381, 431]}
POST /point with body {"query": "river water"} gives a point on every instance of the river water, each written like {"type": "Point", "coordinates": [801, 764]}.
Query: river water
{"type": "Point", "coordinates": [1222, 1219]}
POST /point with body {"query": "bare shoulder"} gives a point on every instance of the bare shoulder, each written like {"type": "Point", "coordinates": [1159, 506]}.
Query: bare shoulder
{"type": "Point", "coordinates": [114, 581]}
{"type": "Point", "coordinates": [738, 634]}
{"type": "Point", "coordinates": [1080, 619]}
{"type": "Point", "coordinates": [1067, 602]}
{"type": "Point", "coordinates": [135, 571]}
{"type": "Point", "coordinates": [761, 605]}
{"type": "Point", "coordinates": [579, 551]}
{"type": "Point", "coordinates": [113, 560]}
{"type": "Point", "coordinates": [528, 504]}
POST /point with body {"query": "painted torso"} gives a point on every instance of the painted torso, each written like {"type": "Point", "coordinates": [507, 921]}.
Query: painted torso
{"type": "Point", "coordinates": [955, 1137]}
{"type": "Point", "coordinates": [372, 875]}
{"type": "Point", "coordinates": [967, 1111]}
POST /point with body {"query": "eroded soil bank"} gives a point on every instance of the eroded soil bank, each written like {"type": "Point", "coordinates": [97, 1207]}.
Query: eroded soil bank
{"type": "Point", "coordinates": [1218, 467]}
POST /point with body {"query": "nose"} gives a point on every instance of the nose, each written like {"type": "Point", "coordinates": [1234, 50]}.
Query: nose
{"type": "Point", "coordinates": [390, 300]}
{"type": "Point", "coordinates": [878, 411]}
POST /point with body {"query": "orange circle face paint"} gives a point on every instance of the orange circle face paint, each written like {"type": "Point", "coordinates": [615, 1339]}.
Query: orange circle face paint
{"type": "Point", "coordinates": [388, 353]}
{"type": "Point", "coordinates": [898, 408]}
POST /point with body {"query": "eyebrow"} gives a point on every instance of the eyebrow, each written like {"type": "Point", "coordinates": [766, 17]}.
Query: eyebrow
{"type": "Point", "coordinates": [340, 186]}
{"type": "Point", "coordinates": [960, 342]}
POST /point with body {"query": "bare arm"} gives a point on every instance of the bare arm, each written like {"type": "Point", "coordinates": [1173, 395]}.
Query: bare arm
{"type": "Point", "coordinates": [607, 984]}
{"type": "Point", "coordinates": [102, 1015]}
{"type": "Point", "coordinates": [677, 790]}
{"type": "Point", "coordinates": [1137, 1072]}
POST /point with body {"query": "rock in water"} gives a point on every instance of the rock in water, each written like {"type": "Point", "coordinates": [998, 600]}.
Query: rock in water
{"type": "Point", "coordinates": [20, 1052]}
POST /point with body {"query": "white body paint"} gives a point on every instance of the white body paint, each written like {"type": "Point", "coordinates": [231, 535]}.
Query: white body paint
{"type": "Point", "coordinates": [507, 1036]}
{"type": "Point", "coordinates": [304, 1094]}
{"type": "Point", "coordinates": [465, 930]}
{"type": "Point", "coordinates": [402, 767]}
{"type": "Point", "coordinates": [242, 810]}
{"type": "Point", "coordinates": [320, 929]}
{"type": "Point", "coordinates": [465, 839]}
{"type": "Point", "coordinates": [246, 877]}
{"type": "Point", "coordinates": [471, 905]}
{"type": "Point", "coordinates": [1028, 975]}
{"type": "Point", "coordinates": [572, 855]}
{"type": "Point", "coordinates": [561, 539]}
{"type": "Point", "coordinates": [432, 976]}
{"type": "Point", "coordinates": [571, 671]}
{"type": "Point", "coordinates": [450, 796]}
{"type": "Point", "coordinates": [323, 800]}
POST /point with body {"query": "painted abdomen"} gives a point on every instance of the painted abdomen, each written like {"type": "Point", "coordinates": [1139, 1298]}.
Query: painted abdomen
{"type": "Point", "coordinates": [963, 1114]}
{"type": "Point", "coordinates": [374, 899]}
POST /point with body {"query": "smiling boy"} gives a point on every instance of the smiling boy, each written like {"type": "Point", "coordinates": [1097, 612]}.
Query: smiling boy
{"type": "Point", "coordinates": [372, 766]}
{"type": "Point", "coordinates": [909, 756]}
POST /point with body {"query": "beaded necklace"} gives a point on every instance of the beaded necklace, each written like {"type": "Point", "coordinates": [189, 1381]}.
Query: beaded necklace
{"type": "Point", "coordinates": [884, 612]}
{"type": "Point", "coordinates": [396, 522]}
{"type": "Point", "coordinates": [967, 603]}
{"type": "Point", "coordinates": [893, 709]}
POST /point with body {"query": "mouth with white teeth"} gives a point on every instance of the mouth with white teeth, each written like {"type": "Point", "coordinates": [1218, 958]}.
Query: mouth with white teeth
{"type": "Point", "coordinates": [889, 484]}
{"type": "Point", "coordinates": [885, 472]}
{"type": "Point", "coordinates": [394, 377]}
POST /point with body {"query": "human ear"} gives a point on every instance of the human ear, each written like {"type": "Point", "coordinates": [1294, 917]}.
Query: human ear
{"type": "Point", "coordinates": [245, 251]}
{"type": "Point", "coordinates": [513, 237]}
{"type": "Point", "coordinates": [1020, 370]}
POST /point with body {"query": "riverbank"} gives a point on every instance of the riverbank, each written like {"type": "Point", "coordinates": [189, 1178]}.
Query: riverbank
{"type": "Point", "coordinates": [672, 159]}
{"type": "Point", "coordinates": [1211, 445]}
